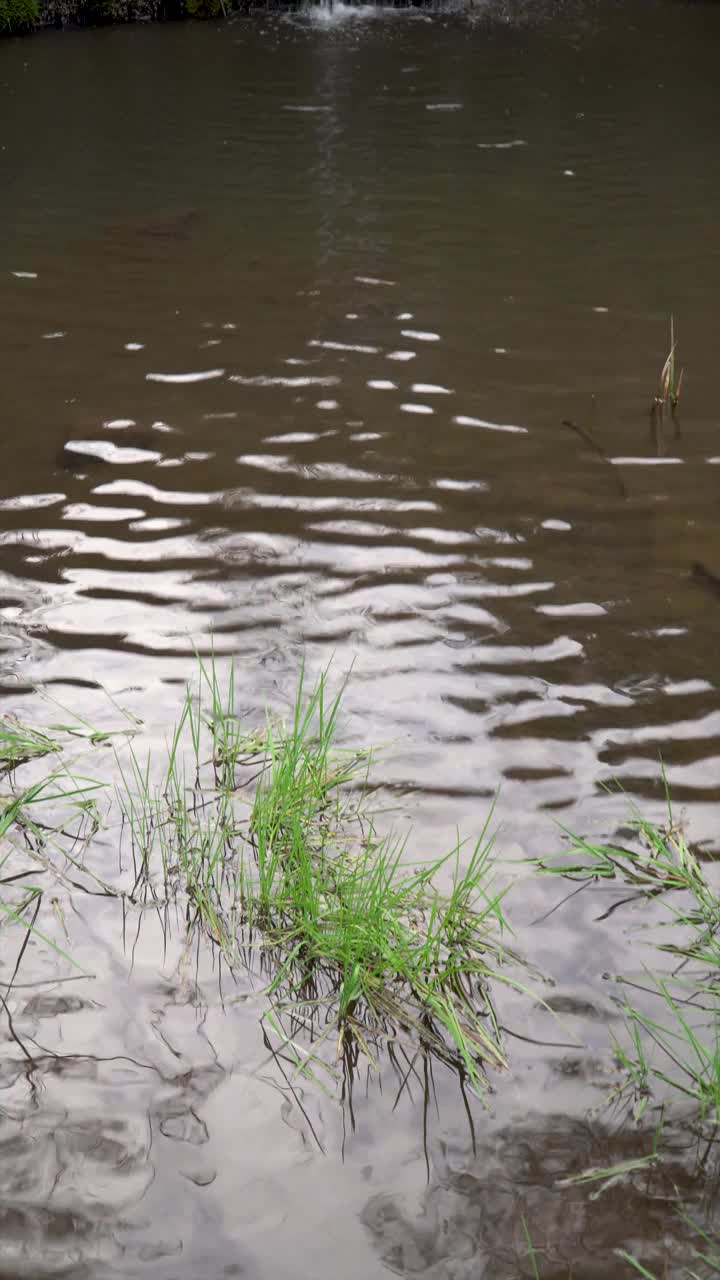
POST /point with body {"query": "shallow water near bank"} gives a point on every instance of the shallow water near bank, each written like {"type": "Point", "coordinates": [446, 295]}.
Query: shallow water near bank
{"type": "Point", "coordinates": [293, 311]}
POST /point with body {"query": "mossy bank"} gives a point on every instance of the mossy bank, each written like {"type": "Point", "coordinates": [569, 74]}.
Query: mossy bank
{"type": "Point", "coordinates": [20, 17]}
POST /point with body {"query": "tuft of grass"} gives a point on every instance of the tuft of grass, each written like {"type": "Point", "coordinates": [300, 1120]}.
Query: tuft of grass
{"type": "Point", "coordinates": [679, 1048]}
{"type": "Point", "coordinates": [48, 821]}
{"type": "Point", "coordinates": [662, 859]}
{"type": "Point", "coordinates": [20, 743]}
{"type": "Point", "coordinates": [670, 381]}
{"type": "Point", "coordinates": [270, 842]}
{"type": "Point", "coordinates": [58, 843]}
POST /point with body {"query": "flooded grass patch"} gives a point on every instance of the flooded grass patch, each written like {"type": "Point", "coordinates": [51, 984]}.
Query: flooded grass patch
{"type": "Point", "coordinates": [265, 844]}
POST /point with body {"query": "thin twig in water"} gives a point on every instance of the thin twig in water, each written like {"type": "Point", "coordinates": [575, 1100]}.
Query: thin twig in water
{"type": "Point", "coordinates": [592, 443]}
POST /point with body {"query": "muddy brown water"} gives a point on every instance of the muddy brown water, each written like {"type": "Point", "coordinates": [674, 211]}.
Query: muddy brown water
{"type": "Point", "coordinates": [292, 310]}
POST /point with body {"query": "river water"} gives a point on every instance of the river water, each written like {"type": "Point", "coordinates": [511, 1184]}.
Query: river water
{"type": "Point", "coordinates": [294, 312]}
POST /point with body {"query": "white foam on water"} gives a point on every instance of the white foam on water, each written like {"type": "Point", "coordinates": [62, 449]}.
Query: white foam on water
{"type": "Point", "coordinates": [431, 389]}
{"type": "Point", "coordinates": [134, 346]}
{"type": "Point", "coordinates": [305, 110]}
{"type": "Point", "coordinates": [422, 335]}
{"type": "Point", "coordinates": [25, 275]}
{"type": "Point", "coordinates": [417, 408]}
{"type": "Point", "coordinates": [405, 315]}
{"type": "Point", "coordinates": [204, 375]}
{"type": "Point", "coordinates": [58, 333]}
{"type": "Point", "coordinates": [443, 106]}
{"type": "Point", "coordinates": [601, 311]}
{"type": "Point", "coordinates": [559, 525]}
{"type": "Point", "coordinates": [328, 404]}
{"type": "Point", "coordinates": [401, 355]}
{"type": "Point", "coordinates": [340, 14]}
{"type": "Point", "coordinates": [463, 421]}
{"type": "Point", "coordinates": [118, 424]}
{"type": "Point", "coordinates": [382, 384]}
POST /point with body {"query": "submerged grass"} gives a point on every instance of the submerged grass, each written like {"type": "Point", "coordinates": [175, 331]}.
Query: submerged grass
{"type": "Point", "coordinates": [703, 1264]}
{"type": "Point", "coordinates": [271, 840]}
{"type": "Point", "coordinates": [705, 1254]}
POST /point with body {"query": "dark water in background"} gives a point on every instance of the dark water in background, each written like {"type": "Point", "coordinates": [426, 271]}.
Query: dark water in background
{"type": "Point", "coordinates": [375, 261]}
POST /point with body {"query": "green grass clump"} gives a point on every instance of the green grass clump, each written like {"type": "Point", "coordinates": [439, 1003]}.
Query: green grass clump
{"type": "Point", "coordinates": [49, 818]}
{"type": "Point", "coordinates": [18, 15]}
{"type": "Point", "coordinates": [20, 743]}
{"type": "Point", "coordinates": [679, 1047]}
{"type": "Point", "coordinates": [270, 842]}
{"type": "Point", "coordinates": [50, 823]}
